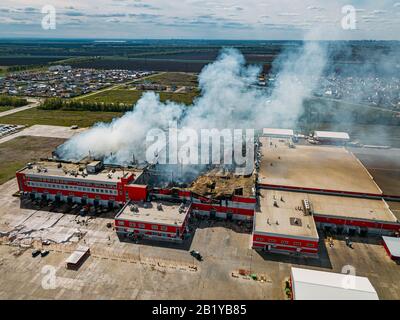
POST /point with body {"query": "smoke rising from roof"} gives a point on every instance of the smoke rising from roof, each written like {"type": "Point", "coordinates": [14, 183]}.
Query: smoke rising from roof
{"type": "Point", "coordinates": [229, 99]}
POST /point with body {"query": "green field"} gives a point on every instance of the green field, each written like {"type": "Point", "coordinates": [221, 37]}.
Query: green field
{"type": "Point", "coordinates": [59, 117]}
{"type": "Point", "coordinates": [16, 153]}
{"type": "Point", "coordinates": [5, 108]}
{"type": "Point", "coordinates": [130, 97]}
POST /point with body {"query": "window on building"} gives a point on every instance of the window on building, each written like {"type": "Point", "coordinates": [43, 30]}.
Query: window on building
{"type": "Point", "coordinates": [285, 242]}
{"type": "Point", "coordinates": [298, 244]}
{"type": "Point", "coordinates": [154, 227]}
{"type": "Point", "coordinates": [141, 226]}
{"type": "Point", "coordinates": [164, 228]}
{"type": "Point", "coordinates": [310, 245]}
{"type": "Point", "coordinates": [121, 223]}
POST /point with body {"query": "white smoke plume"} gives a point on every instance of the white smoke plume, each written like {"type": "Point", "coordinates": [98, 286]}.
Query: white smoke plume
{"type": "Point", "coordinates": [228, 99]}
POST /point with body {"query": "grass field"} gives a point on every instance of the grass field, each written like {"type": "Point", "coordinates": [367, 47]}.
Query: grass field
{"type": "Point", "coordinates": [5, 108]}
{"type": "Point", "coordinates": [16, 153]}
{"type": "Point", "coordinates": [173, 79]}
{"type": "Point", "coordinates": [132, 96]}
{"type": "Point", "coordinates": [59, 117]}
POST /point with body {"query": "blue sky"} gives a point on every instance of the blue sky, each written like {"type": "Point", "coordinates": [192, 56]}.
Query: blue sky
{"type": "Point", "coordinates": [197, 19]}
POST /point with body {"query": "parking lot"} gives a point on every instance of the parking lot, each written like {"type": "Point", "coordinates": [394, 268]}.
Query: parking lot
{"type": "Point", "coordinates": [127, 270]}
{"type": "Point", "coordinates": [7, 129]}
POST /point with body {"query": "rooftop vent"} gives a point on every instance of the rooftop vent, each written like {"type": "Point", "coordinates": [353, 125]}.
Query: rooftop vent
{"type": "Point", "coordinates": [296, 222]}
{"type": "Point", "coordinates": [307, 207]}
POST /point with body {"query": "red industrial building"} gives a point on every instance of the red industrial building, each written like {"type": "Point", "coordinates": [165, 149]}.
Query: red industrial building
{"type": "Point", "coordinates": [153, 220]}
{"type": "Point", "coordinates": [294, 197]}
{"type": "Point", "coordinates": [78, 183]}
{"type": "Point", "coordinates": [280, 226]}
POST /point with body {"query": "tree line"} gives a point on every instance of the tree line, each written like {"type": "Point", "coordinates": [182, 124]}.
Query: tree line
{"type": "Point", "coordinates": [76, 105]}
{"type": "Point", "coordinates": [12, 101]}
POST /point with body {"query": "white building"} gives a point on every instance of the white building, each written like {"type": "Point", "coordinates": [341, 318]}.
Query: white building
{"type": "Point", "coordinates": [331, 136]}
{"type": "Point", "coordinates": [278, 133]}
{"type": "Point", "coordinates": [319, 285]}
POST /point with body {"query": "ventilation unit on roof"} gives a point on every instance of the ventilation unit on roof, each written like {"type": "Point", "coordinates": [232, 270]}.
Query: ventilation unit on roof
{"type": "Point", "coordinates": [307, 207]}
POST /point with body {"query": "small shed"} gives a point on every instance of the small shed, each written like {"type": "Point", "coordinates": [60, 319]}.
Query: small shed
{"type": "Point", "coordinates": [392, 247]}
{"type": "Point", "coordinates": [94, 166]}
{"type": "Point", "coordinates": [76, 259]}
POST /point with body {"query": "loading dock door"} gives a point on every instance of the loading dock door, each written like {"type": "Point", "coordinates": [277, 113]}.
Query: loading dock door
{"type": "Point", "coordinates": [96, 203]}
{"type": "Point", "coordinates": [213, 214]}
{"type": "Point", "coordinates": [84, 201]}
{"type": "Point", "coordinates": [69, 200]}
{"type": "Point", "coordinates": [229, 216]}
{"type": "Point", "coordinates": [110, 205]}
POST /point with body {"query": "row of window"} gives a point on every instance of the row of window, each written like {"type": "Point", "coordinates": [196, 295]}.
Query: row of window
{"type": "Point", "coordinates": [284, 242]}
{"type": "Point", "coordinates": [70, 188]}
{"type": "Point", "coordinates": [164, 235]}
{"type": "Point", "coordinates": [142, 226]}
{"type": "Point", "coordinates": [53, 180]}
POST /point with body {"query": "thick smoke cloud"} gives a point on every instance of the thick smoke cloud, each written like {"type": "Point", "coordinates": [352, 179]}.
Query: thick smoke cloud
{"type": "Point", "coordinates": [229, 99]}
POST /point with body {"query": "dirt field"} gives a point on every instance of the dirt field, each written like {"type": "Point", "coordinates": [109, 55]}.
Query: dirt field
{"type": "Point", "coordinates": [14, 154]}
{"type": "Point", "coordinates": [126, 270]}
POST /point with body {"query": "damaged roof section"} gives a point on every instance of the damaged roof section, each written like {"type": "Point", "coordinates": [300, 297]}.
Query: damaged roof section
{"type": "Point", "coordinates": [219, 184]}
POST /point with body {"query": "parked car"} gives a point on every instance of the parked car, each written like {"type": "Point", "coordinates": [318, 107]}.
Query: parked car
{"type": "Point", "coordinates": [35, 253]}
{"type": "Point", "coordinates": [44, 253]}
{"type": "Point", "coordinates": [196, 255]}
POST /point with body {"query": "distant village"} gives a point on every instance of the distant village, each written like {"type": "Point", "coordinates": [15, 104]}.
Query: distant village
{"type": "Point", "coordinates": [64, 81]}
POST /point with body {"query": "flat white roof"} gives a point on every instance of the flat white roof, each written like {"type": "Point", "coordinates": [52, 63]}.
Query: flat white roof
{"type": "Point", "coordinates": [331, 135]}
{"type": "Point", "coordinates": [77, 255]}
{"type": "Point", "coordinates": [310, 166]}
{"type": "Point", "coordinates": [279, 220]}
{"type": "Point", "coordinates": [278, 132]}
{"type": "Point", "coordinates": [320, 285]}
{"type": "Point", "coordinates": [149, 213]}
{"type": "Point", "coordinates": [393, 244]}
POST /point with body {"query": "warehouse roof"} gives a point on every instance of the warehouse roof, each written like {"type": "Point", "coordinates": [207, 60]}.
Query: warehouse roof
{"type": "Point", "coordinates": [319, 285]}
{"type": "Point", "coordinates": [280, 214]}
{"type": "Point", "coordinates": [278, 132]}
{"type": "Point", "coordinates": [331, 135]}
{"type": "Point", "coordinates": [313, 167]}
{"type": "Point", "coordinates": [335, 206]}
{"type": "Point", "coordinates": [356, 208]}
{"type": "Point", "coordinates": [393, 245]}
{"type": "Point", "coordinates": [149, 212]}
{"type": "Point", "coordinates": [77, 171]}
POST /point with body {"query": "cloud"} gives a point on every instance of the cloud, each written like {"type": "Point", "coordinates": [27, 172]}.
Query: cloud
{"type": "Point", "coordinates": [197, 18]}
